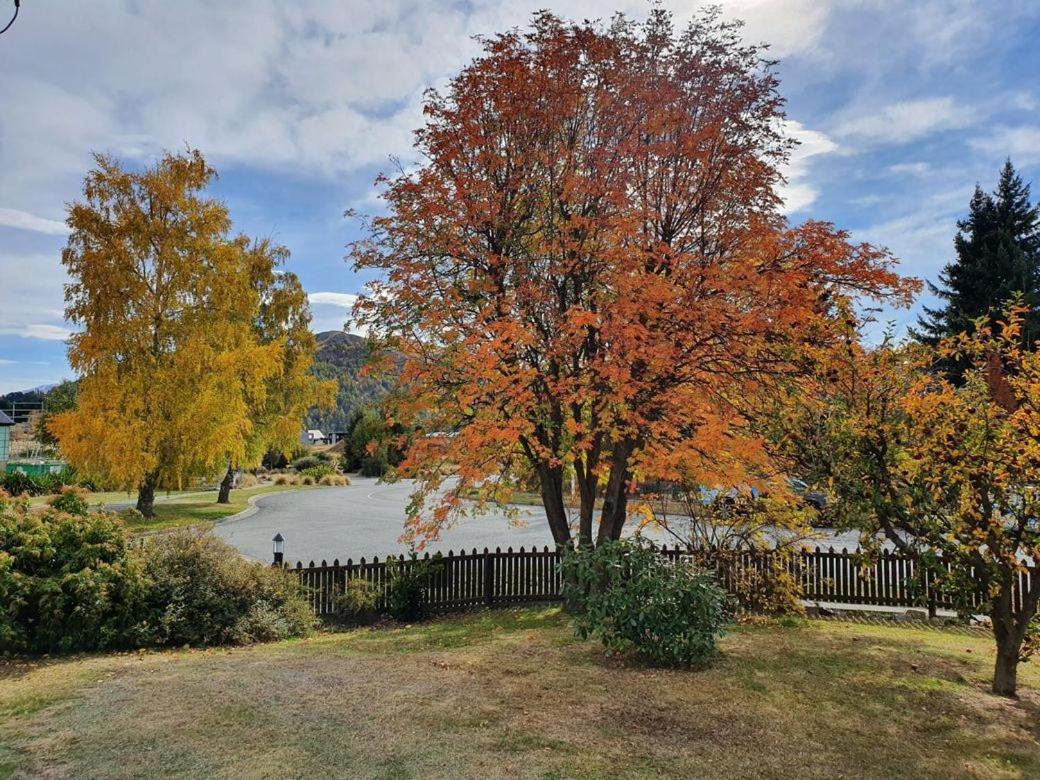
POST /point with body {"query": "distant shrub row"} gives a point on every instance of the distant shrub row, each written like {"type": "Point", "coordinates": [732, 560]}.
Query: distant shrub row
{"type": "Point", "coordinates": [72, 581]}
{"type": "Point", "coordinates": [17, 484]}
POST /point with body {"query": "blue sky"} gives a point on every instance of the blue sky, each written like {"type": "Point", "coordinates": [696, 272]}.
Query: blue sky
{"type": "Point", "coordinates": [900, 107]}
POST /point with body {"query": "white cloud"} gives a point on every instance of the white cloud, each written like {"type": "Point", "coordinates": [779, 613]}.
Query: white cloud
{"type": "Point", "coordinates": [23, 220]}
{"type": "Point", "coordinates": [799, 193]}
{"type": "Point", "coordinates": [37, 330]}
{"type": "Point", "coordinates": [910, 169]}
{"type": "Point", "coordinates": [1021, 144]}
{"type": "Point", "coordinates": [32, 303]}
{"type": "Point", "coordinates": [906, 120]}
{"type": "Point", "coordinates": [331, 311]}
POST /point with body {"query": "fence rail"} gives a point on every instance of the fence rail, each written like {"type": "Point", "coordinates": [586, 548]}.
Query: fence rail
{"type": "Point", "coordinates": [499, 577]}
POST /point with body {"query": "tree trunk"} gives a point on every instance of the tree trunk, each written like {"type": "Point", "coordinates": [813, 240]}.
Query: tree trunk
{"type": "Point", "coordinates": [224, 494]}
{"type": "Point", "coordinates": [550, 482]}
{"type": "Point", "coordinates": [615, 497]}
{"type": "Point", "coordinates": [1005, 673]}
{"type": "Point", "coordinates": [146, 496]}
{"type": "Point", "coordinates": [1009, 641]}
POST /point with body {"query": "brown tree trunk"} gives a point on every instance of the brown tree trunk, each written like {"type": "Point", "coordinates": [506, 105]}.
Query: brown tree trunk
{"type": "Point", "coordinates": [146, 496]}
{"type": "Point", "coordinates": [1005, 672]}
{"type": "Point", "coordinates": [224, 494]}
{"type": "Point", "coordinates": [615, 497]}
{"type": "Point", "coordinates": [550, 482]}
{"type": "Point", "coordinates": [1009, 641]}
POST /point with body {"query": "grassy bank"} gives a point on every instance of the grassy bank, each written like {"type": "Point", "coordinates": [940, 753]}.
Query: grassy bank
{"type": "Point", "coordinates": [513, 694]}
{"type": "Point", "coordinates": [183, 508]}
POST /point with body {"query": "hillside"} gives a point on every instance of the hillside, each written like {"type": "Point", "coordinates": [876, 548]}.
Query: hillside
{"type": "Point", "coordinates": [341, 356]}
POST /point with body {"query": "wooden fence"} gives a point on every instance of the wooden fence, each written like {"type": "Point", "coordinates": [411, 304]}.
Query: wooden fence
{"type": "Point", "coordinates": [500, 577]}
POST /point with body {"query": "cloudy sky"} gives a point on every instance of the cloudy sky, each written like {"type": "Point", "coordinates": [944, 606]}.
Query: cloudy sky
{"type": "Point", "coordinates": [901, 108]}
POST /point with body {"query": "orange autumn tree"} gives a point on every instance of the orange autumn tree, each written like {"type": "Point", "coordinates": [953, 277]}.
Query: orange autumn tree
{"type": "Point", "coordinates": [591, 270]}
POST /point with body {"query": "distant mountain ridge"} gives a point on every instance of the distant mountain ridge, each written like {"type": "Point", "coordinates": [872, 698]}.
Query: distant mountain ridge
{"type": "Point", "coordinates": [341, 356]}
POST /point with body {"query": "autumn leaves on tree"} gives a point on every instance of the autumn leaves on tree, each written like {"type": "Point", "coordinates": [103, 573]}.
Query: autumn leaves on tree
{"type": "Point", "coordinates": [193, 352]}
{"type": "Point", "coordinates": [591, 273]}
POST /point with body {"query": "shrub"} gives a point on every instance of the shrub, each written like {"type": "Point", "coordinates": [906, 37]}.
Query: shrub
{"type": "Point", "coordinates": [356, 604]}
{"type": "Point", "coordinates": [769, 589]}
{"type": "Point", "coordinates": [307, 479]}
{"type": "Point", "coordinates": [636, 601]}
{"type": "Point", "coordinates": [72, 500]}
{"type": "Point", "coordinates": [285, 479]}
{"type": "Point", "coordinates": [406, 586]}
{"type": "Point", "coordinates": [334, 479]}
{"type": "Point", "coordinates": [68, 582]}
{"type": "Point", "coordinates": [312, 460]}
{"type": "Point", "coordinates": [131, 515]}
{"type": "Point", "coordinates": [319, 471]}
{"type": "Point", "coordinates": [247, 481]}
{"type": "Point", "coordinates": [204, 593]}
{"type": "Point", "coordinates": [16, 483]}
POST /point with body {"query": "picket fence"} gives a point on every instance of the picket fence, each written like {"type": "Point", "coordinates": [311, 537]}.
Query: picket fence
{"type": "Point", "coordinates": [497, 577]}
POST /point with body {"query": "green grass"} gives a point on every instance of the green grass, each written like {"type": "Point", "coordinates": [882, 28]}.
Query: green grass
{"type": "Point", "coordinates": [513, 694]}
{"type": "Point", "coordinates": [202, 508]}
{"type": "Point", "coordinates": [183, 508]}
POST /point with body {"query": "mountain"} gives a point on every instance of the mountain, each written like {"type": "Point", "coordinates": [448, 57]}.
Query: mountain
{"type": "Point", "coordinates": [341, 356]}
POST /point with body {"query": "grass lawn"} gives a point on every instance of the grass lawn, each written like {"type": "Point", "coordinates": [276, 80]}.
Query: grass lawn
{"type": "Point", "coordinates": [202, 508]}
{"type": "Point", "coordinates": [183, 508]}
{"type": "Point", "coordinates": [512, 694]}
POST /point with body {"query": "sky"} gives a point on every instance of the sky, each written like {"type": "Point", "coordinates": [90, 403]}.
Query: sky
{"type": "Point", "coordinates": [900, 108]}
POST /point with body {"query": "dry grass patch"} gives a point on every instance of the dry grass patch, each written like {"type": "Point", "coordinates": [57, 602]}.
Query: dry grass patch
{"type": "Point", "coordinates": [512, 694]}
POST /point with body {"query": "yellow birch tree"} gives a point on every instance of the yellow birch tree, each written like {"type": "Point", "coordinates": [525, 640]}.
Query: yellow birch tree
{"type": "Point", "coordinates": [168, 358]}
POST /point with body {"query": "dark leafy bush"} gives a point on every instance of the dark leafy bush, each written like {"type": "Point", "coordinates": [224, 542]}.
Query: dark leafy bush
{"type": "Point", "coordinates": [407, 582]}
{"type": "Point", "coordinates": [313, 460]}
{"type": "Point", "coordinates": [356, 604]}
{"type": "Point", "coordinates": [666, 613]}
{"type": "Point", "coordinates": [204, 593]}
{"type": "Point", "coordinates": [17, 484]}
{"type": "Point", "coordinates": [68, 583]}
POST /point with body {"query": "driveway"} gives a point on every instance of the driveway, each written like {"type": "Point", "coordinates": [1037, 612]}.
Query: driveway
{"type": "Point", "coordinates": [366, 519]}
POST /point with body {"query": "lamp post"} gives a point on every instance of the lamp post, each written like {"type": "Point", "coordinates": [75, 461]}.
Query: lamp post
{"type": "Point", "coordinates": [279, 549]}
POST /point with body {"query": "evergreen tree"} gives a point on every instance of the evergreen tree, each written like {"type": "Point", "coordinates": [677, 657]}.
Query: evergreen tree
{"type": "Point", "coordinates": [998, 257]}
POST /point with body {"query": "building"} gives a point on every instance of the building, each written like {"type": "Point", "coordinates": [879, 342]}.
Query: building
{"type": "Point", "coordinates": [6, 423]}
{"type": "Point", "coordinates": [313, 436]}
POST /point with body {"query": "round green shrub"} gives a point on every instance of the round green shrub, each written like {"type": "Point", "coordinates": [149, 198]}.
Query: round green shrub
{"type": "Point", "coordinates": [406, 587]}
{"type": "Point", "coordinates": [68, 583]}
{"type": "Point", "coordinates": [357, 603]}
{"type": "Point", "coordinates": [72, 500]}
{"type": "Point", "coordinates": [666, 613]}
{"type": "Point", "coordinates": [204, 593]}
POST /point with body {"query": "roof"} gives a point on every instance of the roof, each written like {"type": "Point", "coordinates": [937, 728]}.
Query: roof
{"type": "Point", "coordinates": [315, 433]}
{"type": "Point", "coordinates": [5, 420]}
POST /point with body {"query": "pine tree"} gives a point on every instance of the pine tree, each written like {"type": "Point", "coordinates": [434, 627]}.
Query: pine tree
{"type": "Point", "coordinates": [998, 257]}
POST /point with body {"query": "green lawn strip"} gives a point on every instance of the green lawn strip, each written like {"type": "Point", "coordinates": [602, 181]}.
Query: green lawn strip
{"type": "Point", "coordinates": [512, 693]}
{"type": "Point", "coordinates": [202, 508]}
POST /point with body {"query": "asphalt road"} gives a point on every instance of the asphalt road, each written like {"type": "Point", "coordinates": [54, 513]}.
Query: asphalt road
{"type": "Point", "coordinates": [366, 519]}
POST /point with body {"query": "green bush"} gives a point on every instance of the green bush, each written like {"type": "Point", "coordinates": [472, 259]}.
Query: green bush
{"type": "Point", "coordinates": [357, 603]}
{"type": "Point", "coordinates": [313, 460]}
{"type": "Point", "coordinates": [406, 587]}
{"type": "Point", "coordinates": [319, 471]}
{"type": "Point", "coordinates": [204, 593]}
{"type": "Point", "coordinates": [68, 583]}
{"type": "Point", "coordinates": [16, 483]}
{"type": "Point", "coordinates": [72, 500]}
{"type": "Point", "coordinates": [74, 582]}
{"type": "Point", "coordinates": [667, 613]}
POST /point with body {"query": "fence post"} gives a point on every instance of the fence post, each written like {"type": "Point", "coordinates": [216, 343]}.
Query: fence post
{"type": "Point", "coordinates": [932, 599]}
{"type": "Point", "coordinates": [489, 578]}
